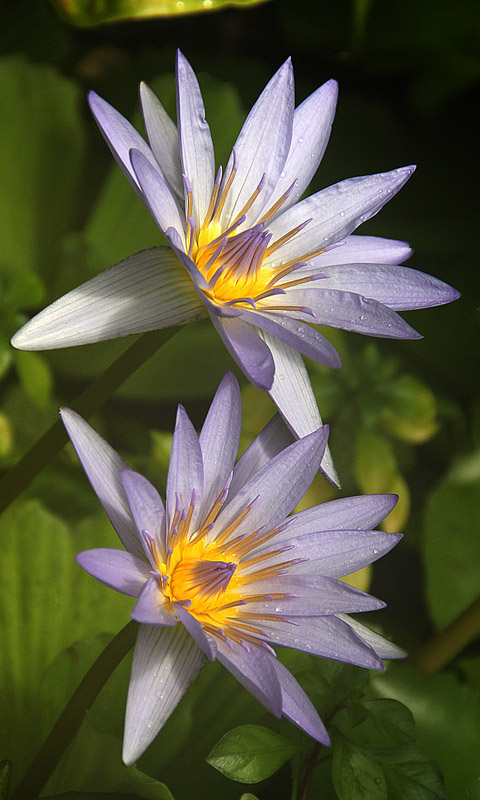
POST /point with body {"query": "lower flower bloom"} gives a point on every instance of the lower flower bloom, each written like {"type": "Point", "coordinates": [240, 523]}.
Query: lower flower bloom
{"type": "Point", "coordinates": [220, 571]}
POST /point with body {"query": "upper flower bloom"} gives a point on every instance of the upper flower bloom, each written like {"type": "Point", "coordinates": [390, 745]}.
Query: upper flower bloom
{"type": "Point", "coordinates": [258, 259]}
{"type": "Point", "coordinates": [220, 572]}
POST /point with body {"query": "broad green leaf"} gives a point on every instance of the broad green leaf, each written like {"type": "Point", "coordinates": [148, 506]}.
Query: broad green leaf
{"type": "Point", "coordinates": [250, 753]}
{"type": "Point", "coordinates": [77, 12]}
{"type": "Point", "coordinates": [452, 548]}
{"type": "Point", "coordinates": [410, 410]}
{"type": "Point", "coordinates": [356, 775]}
{"type": "Point", "coordinates": [391, 718]}
{"type": "Point", "coordinates": [447, 717]}
{"type": "Point", "coordinates": [46, 603]}
{"type": "Point", "coordinates": [41, 152]}
{"type": "Point", "coordinates": [409, 774]}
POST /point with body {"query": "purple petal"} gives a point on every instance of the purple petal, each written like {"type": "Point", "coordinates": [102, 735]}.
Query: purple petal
{"type": "Point", "coordinates": [363, 512]}
{"type": "Point", "coordinates": [116, 568]}
{"type": "Point", "coordinates": [152, 607]}
{"type": "Point", "coordinates": [329, 637]}
{"type": "Point", "coordinates": [330, 553]}
{"type": "Point", "coordinates": [271, 440]}
{"type": "Point", "coordinates": [205, 642]}
{"type": "Point", "coordinates": [247, 348]}
{"type": "Point", "coordinates": [383, 647]}
{"type": "Point", "coordinates": [262, 146]}
{"type": "Point", "coordinates": [185, 471]}
{"type": "Point", "coordinates": [196, 147]}
{"type": "Point", "coordinates": [297, 707]}
{"type": "Point", "coordinates": [219, 439]}
{"type": "Point", "coordinates": [144, 292]}
{"type": "Point", "coordinates": [399, 288]}
{"type": "Point", "coordinates": [165, 662]}
{"type": "Point", "coordinates": [103, 465]}
{"type": "Point", "coordinates": [351, 312]}
{"type": "Point", "coordinates": [295, 334]}
{"type": "Point", "coordinates": [279, 486]}
{"type": "Point", "coordinates": [335, 212]}
{"type": "Point", "coordinates": [292, 394]}
{"type": "Point", "coordinates": [146, 507]}
{"type": "Point", "coordinates": [252, 666]}
{"type": "Point", "coordinates": [158, 196]}
{"type": "Point", "coordinates": [163, 137]}
{"type": "Point", "coordinates": [121, 137]}
{"type": "Point", "coordinates": [312, 123]}
{"type": "Point", "coordinates": [364, 250]}
{"type": "Point", "coordinates": [313, 595]}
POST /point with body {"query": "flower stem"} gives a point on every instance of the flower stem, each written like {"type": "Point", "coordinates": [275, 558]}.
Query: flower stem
{"type": "Point", "coordinates": [22, 474]}
{"type": "Point", "coordinates": [72, 716]}
{"type": "Point", "coordinates": [443, 649]}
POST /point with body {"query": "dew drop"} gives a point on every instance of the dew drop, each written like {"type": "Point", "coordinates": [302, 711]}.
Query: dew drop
{"type": "Point", "coordinates": [283, 173]}
{"type": "Point", "coordinates": [375, 552]}
{"type": "Point", "coordinates": [342, 213]}
{"type": "Point", "coordinates": [363, 316]}
{"type": "Point", "coordinates": [300, 139]}
{"type": "Point", "coordinates": [389, 324]}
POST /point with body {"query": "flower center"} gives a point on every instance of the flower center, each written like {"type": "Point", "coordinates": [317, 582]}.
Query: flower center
{"type": "Point", "coordinates": [202, 582]}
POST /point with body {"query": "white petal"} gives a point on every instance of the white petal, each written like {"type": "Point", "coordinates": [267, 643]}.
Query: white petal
{"type": "Point", "coordinates": [103, 466]}
{"type": "Point", "coordinates": [146, 291]}
{"type": "Point", "coordinates": [334, 212]}
{"type": "Point", "coordinates": [165, 662]}
{"type": "Point", "coordinates": [364, 250]}
{"type": "Point", "coordinates": [383, 647]}
{"type": "Point", "coordinates": [163, 137]}
{"type": "Point", "coordinates": [293, 395]}
{"type": "Point", "coordinates": [196, 147]}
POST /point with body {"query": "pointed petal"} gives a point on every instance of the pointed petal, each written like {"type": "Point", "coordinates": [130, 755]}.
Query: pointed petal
{"type": "Point", "coordinates": [152, 607]}
{"type": "Point", "coordinates": [329, 637]}
{"type": "Point", "coordinates": [158, 196]}
{"type": "Point", "coordinates": [313, 595]}
{"type": "Point", "coordinates": [399, 288]}
{"type": "Point", "coordinates": [163, 137]}
{"type": "Point", "coordinates": [196, 147]}
{"type": "Point", "coordinates": [274, 438]}
{"type": "Point", "coordinates": [219, 439]}
{"type": "Point", "coordinates": [335, 212]}
{"type": "Point", "coordinates": [146, 506]}
{"type": "Point", "coordinates": [295, 334]}
{"type": "Point", "coordinates": [364, 250]}
{"type": "Point", "coordinates": [185, 471]}
{"type": "Point", "coordinates": [279, 486]}
{"type": "Point", "coordinates": [312, 124]}
{"type": "Point", "coordinates": [351, 312]}
{"type": "Point", "coordinates": [103, 466]}
{"type": "Point", "coordinates": [363, 512]}
{"type": "Point", "coordinates": [165, 662]}
{"type": "Point", "coordinates": [330, 553]}
{"type": "Point", "coordinates": [252, 666]}
{"type": "Point", "coordinates": [292, 394]}
{"type": "Point", "coordinates": [205, 642]}
{"type": "Point", "coordinates": [384, 648]}
{"type": "Point", "coordinates": [116, 568]}
{"type": "Point", "coordinates": [297, 707]}
{"type": "Point", "coordinates": [262, 146]}
{"type": "Point", "coordinates": [247, 348]}
{"type": "Point", "coordinates": [146, 291]}
{"type": "Point", "coordinates": [120, 136]}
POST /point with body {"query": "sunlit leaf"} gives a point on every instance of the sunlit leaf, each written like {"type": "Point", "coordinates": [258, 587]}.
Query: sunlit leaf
{"type": "Point", "coordinates": [250, 753]}
{"type": "Point", "coordinates": [376, 470]}
{"type": "Point", "coordinates": [410, 410]}
{"type": "Point", "coordinates": [88, 12]}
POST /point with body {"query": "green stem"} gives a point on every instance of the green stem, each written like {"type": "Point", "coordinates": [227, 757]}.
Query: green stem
{"type": "Point", "coordinates": [72, 716]}
{"type": "Point", "coordinates": [22, 474]}
{"type": "Point", "coordinates": [443, 649]}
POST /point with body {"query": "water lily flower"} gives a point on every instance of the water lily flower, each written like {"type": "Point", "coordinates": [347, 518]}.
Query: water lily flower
{"type": "Point", "coordinates": [220, 571]}
{"type": "Point", "coordinates": [245, 249]}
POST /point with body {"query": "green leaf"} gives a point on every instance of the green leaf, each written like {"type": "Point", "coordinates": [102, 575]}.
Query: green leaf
{"type": "Point", "coordinates": [35, 376]}
{"type": "Point", "coordinates": [41, 153]}
{"type": "Point", "coordinates": [452, 548]}
{"type": "Point", "coordinates": [447, 717]}
{"type": "Point", "coordinates": [355, 774]}
{"type": "Point", "coordinates": [5, 769]}
{"type": "Point", "coordinates": [250, 753]}
{"type": "Point", "coordinates": [376, 471]}
{"type": "Point", "coordinates": [410, 775]}
{"type": "Point", "coordinates": [391, 718]}
{"type": "Point", "coordinates": [410, 413]}
{"type": "Point", "coordinates": [77, 12]}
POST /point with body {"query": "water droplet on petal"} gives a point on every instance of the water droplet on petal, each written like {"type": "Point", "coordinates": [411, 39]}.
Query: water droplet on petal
{"type": "Point", "coordinates": [283, 173]}
{"type": "Point", "coordinates": [363, 316]}
{"type": "Point", "coordinates": [375, 552]}
{"type": "Point", "coordinates": [300, 139]}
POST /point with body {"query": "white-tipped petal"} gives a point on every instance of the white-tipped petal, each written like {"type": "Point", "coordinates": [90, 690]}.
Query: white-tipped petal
{"type": "Point", "coordinates": [383, 647]}
{"type": "Point", "coordinates": [103, 466]}
{"type": "Point", "coordinates": [163, 137]}
{"type": "Point", "coordinates": [165, 662]}
{"type": "Point", "coordinates": [292, 393]}
{"type": "Point", "coordinates": [146, 291]}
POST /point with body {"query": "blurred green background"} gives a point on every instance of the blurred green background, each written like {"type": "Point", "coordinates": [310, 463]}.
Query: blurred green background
{"type": "Point", "coordinates": [405, 416]}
